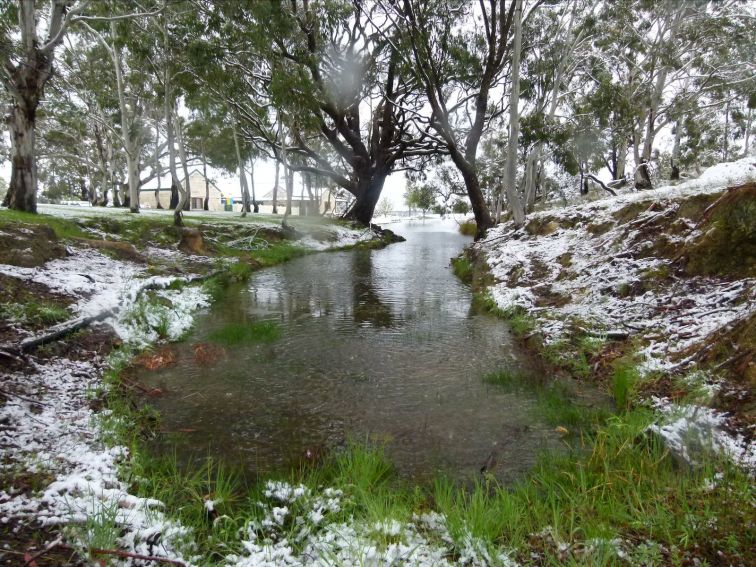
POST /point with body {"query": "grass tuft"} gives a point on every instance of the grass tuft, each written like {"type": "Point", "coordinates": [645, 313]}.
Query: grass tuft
{"type": "Point", "coordinates": [468, 228]}
{"type": "Point", "coordinates": [244, 333]}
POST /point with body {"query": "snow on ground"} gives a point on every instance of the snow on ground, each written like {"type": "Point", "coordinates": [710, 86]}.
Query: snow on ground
{"type": "Point", "coordinates": [49, 429]}
{"type": "Point", "coordinates": [297, 518]}
{"type": "Point", "coordinates": [583, 264]}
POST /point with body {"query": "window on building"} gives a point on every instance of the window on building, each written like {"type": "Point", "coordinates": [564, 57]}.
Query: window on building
{"type": "Point", "coordinates": [198, 202]}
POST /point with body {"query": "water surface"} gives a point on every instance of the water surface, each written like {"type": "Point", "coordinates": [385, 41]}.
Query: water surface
{"type": "Point", "coordinates": [381, 346]}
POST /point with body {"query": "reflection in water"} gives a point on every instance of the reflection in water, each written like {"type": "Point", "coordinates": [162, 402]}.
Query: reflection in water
{"type": "Point", "coordinates": [377, 345]}
{"type": "Point", "coordinates": [368, 309]}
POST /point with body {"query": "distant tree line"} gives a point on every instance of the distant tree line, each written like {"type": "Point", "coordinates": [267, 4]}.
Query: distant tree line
{"type": "Point", "coordinates": [479, 102]}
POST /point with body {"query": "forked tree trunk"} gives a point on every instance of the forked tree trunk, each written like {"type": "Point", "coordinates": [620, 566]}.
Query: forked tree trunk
{"type": "Point", "coordinates": [242, 175]}
{"type": "Point", "coordinates": [186, 195]}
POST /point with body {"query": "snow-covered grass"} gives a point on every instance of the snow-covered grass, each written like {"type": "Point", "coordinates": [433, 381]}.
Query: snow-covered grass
{"type": "Point", "coordinates": [602, 269]}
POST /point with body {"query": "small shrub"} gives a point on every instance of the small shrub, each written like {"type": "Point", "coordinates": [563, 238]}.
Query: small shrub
{"type": "Point", "coordinates": [468, 228]}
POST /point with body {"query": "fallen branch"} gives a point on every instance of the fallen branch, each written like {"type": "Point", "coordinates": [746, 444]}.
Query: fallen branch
{"type": "Point", "coordinates": [67, 327]}
{"type": "Point", "coordinates": [604, 186]}
{"type": "Point", "coordinates": [128, 555]}
{"type": "Point", "coordinates": [31, 559]}
{"type": "Point", "coordinates": [733, 359]}
{"type": "Point", "coordinates": [22, 398]}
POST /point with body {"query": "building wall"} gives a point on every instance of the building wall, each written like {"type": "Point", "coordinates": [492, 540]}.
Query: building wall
{"type": "Point", "coordinates": [197, 188]}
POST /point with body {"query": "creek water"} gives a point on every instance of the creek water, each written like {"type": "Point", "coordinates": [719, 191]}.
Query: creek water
{"type": "Point", "coordinates": [378, 346]}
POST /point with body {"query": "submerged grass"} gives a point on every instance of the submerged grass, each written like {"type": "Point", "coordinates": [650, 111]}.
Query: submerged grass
{"type": "Point", "coordinates": [554, 401]}
{"type": "Point", "coordinates": [245, 333]}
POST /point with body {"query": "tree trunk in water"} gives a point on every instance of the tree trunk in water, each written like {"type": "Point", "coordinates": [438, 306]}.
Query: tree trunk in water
{"type": "Point", "coordinates": [515, 203]}
{"type": "Point", "coordinates": [22, 191]}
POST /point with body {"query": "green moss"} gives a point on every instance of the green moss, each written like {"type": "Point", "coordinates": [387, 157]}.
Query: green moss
{"type": "Point", "coordinates": [63, 228]}
{"type": "Point", "coordinates": [727, 244]}
{"type": "Point", "coordinates": [242, 333]}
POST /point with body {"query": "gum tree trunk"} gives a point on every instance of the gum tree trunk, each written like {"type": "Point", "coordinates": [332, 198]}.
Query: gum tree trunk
{"type": "Point", "coordinates": [369, 187]}
{"type": "Point", "coordinates": [242, 175]}
{"type": "Point", "coordinates": [22, 191]}
{"type": "Point", "coordinates": [515, 202]}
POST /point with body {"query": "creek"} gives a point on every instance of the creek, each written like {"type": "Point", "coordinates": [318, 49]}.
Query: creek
{"type": "Point", "coordinates": [377, 346]}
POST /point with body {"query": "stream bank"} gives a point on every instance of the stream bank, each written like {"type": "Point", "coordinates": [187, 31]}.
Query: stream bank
{"type": "Point", "coordinates": [64, 438]}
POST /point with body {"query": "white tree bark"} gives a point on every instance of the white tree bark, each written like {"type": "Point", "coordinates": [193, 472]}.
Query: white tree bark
{"type": "Point", "coordinates": [242, 175]}
{"type": "Point", "coordinates": [510, 183]}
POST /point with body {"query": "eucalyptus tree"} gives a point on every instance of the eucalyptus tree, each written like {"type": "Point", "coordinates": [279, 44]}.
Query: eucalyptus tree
{"type": "Point", "coordinates": [117, 36]}
{"type": "Point", "coordinates": [336, 86]}
{"type": "Point", "coordinates": [658, 61]}
{"type": "Point", "coordinates": [459, 53]}
{"type": "Point", "coordinates": [30, 31]}
{"type": "Point", "coordinates": [556, 44]}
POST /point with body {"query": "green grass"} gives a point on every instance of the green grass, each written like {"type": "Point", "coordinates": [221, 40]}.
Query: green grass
{"type": "Point", "coordinates": [63, 228]}
{"type": "Point", "coordinates": [618, 482]}
{"type": "Point", "coordinates": [100, 530]}
{"type": "Point", "coordinates": [277, 254]}
{"type": "Point", "coordinates": [468, 228]}
{"type": "Point", "coordinates": [244, 333]}
{"type": "Point", "coordinates": [625, 377]}
{"type": "Point", "coordinates": [33, 312]}
{"type": "Point", "coordinates": [463, 268]}
{"type": "Point", "coordinates": [511, 379]}
{"type": "Point", "coordinates": [554, 402]}
{"type": "Point", "coordinates": [626, 485]}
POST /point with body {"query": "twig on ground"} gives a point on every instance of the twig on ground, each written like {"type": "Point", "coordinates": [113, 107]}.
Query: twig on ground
{"type": "Point", "coordinates": [49, 547]}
